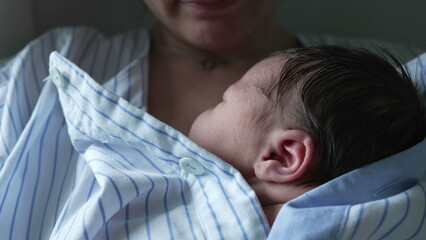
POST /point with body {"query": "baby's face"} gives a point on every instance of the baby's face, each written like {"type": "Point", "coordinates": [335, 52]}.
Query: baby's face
{"type": "Point", "coordinates": [231, 129]}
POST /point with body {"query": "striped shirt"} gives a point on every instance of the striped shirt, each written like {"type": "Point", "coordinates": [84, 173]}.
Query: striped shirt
{"type": "Point", "coordinates": [81, 159]}
{"type": "Point", "coordinates": [81, 162]}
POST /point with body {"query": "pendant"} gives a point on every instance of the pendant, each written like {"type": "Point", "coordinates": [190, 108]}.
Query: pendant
{"type": "Point", "coordinates": [208, 64]}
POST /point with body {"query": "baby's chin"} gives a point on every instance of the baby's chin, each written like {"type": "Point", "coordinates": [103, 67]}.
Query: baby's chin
{"type": "Point", "coordinates": [194, 132]}
{"type": "Point", "coordinates": [198, 126]}
{"type": "Point", "coordinates": [191, 134]}
{"type": "Point", "coordinates": [199, 134]}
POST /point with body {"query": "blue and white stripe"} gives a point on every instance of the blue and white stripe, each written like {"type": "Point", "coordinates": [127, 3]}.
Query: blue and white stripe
{"type": "Point", "coordinates": [86, 162]}
{"type": "Point", "coordinates": [107, 119]}
{"type": "Point", "coordinates": [399, 217]}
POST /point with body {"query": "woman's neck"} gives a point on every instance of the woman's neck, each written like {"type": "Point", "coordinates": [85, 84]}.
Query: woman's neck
{"type": "Point", "coordinates": [181, 87]}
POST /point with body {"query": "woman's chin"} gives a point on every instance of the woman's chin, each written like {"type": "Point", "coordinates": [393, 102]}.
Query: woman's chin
{"type": "Point", "coordinates": [217, 38]}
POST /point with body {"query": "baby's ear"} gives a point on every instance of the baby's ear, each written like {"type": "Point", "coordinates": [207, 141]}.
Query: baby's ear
{"type": "Point", "coordinates": [287, 156]}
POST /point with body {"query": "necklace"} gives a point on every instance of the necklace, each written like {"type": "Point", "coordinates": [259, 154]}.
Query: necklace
{"type": "Point", "coordinates": [207, 63]}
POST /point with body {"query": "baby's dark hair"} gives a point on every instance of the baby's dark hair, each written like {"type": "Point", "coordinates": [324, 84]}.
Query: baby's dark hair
{"type": "Point", "coordinates": [357, 106]}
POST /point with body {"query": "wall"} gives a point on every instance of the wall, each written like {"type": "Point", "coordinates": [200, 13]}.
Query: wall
{"type": "Point", "coordinates": [394, 20]}
{"type": "Point", "coordinates": [16, 25]}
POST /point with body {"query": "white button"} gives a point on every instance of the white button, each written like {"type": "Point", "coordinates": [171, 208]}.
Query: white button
{"type": "Point", "coordinates": [56, 77]}
{"type": "Point", "coordinates": [191, 166]}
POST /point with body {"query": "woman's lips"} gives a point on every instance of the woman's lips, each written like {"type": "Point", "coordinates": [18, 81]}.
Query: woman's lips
{"type": "Point", "coordinates": [208, 5]}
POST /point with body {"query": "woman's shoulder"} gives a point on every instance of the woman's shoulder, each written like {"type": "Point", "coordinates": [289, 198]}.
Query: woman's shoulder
{"type": "Point", "coordinates": [404, 51]}
{"type": "Point", "coordinates": [79, 35]}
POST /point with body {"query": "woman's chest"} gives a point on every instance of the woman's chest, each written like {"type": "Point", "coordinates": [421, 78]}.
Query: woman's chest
{"type": "Point", "coordinates": [177, 98]}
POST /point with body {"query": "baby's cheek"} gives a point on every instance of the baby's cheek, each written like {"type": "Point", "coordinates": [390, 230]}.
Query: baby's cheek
{"type": "Point", "coordinates": [199, 126]}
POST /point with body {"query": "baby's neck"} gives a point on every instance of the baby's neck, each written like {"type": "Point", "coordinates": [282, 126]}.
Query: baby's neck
{"type": "Point", "coordinates": [271, 212]}
{"type": "Point", "coordinates": [273, 195]}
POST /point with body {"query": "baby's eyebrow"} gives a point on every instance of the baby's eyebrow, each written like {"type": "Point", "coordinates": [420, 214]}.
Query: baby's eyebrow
{"type": "Point", "coordinates": [261, 88]}
{"type": "Point", "coordinates": [267, 89]}
{"type": "Point", "coordinates": [270, 85]}
{"type": "Point", "coordinates": [265, 92]}
{"type": "Point", "coordinates": [266, 103]}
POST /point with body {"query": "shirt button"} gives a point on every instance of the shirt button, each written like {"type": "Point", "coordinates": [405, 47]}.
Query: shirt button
{"type": "Point", "coordinates": [191, 166]}
{"type": "Point", "coordinates": [56, 77]}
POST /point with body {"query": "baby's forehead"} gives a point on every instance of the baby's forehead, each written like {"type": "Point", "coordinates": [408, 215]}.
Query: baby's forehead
{"type": "Point", "coordinates": [273, 63]}
{"type": "Point", "coordinates": [280, 105]}
{"type": "Point", "coordinates": [267, 72]}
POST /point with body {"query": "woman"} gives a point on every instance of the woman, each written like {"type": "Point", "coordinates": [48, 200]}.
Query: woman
{"type": "Point", "coordinates": [228, 35]}
{"type": "Point", "coordinates": [199, 47]}
{"type": "Point", "coordinates": [77, 161]}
